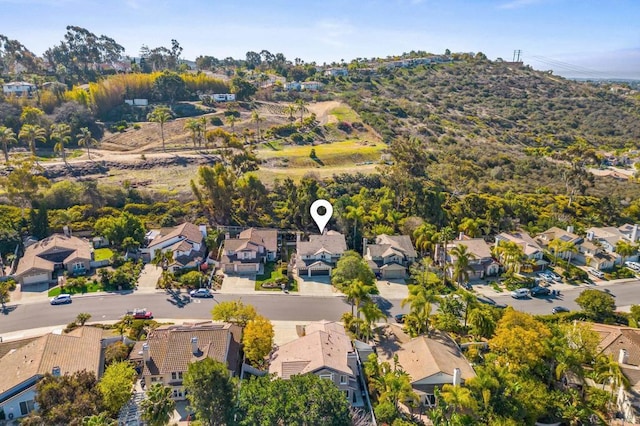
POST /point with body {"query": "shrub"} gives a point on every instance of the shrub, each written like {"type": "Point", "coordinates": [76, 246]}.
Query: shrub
{"type": "Point", "coordinates": [191, 279]}
{"type": "Point", "coordinates": [345, 126]}
{"type": "Point", "coordinates": [216, 121]}
{"type": "Point", "coordinates": [116, 352]}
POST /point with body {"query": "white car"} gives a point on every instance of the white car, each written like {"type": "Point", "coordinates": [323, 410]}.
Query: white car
{"type": "Point", "coordinates": [633, 265]}
{"type": "Point", "coordinates": [520, 293]}
{"type": "Point", "coordinates": [596, 273]}
{"type": "Point", "coordinates": [61, 299]}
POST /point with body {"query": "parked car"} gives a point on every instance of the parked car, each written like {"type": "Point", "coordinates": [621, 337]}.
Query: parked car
{"type": "Point", "coordinates": [399, 318]}
{"type": "Point", "coordinates": [554, 276]}
{"type": "Point", "coordinates": [140, 314]}
{"type": "Point", "coordinates": [201, 292]}
{"type": "Point", "coordinates": [540, 291]}
{"type": "Point", "coordinates": [596, 273]}
{"type": "Point", "coordinates": [61, 299]}
{"type": "Point", "coordinates": [520, 293]}
{"type": "Point", "coordinates": [635, 266]}
{"type": "Point", "coordinates": [559, 309]}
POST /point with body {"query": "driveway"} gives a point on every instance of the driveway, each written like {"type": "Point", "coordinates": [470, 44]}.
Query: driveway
{"type": "Point", "coordinates": [316, 286]}
{"type": "Point", "coordinates": [236, 284]}
{"type": "Point", "coordinates": [148, 278]}
{"type": "Point", "coordinates": [396, 289]}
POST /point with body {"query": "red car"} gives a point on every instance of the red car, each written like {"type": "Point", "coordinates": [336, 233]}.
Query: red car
{"type": "Point", "coordinates": [140, 314]}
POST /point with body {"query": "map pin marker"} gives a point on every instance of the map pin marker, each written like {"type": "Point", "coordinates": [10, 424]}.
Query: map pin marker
{"type": "Point", "coordinates": [321, 219]}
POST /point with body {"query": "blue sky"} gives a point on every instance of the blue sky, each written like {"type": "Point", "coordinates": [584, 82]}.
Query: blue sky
{"type": "Point", "coordinates": [576, 38]}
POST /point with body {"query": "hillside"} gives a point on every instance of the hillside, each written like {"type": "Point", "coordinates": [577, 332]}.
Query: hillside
{"type": "Point", "coordinates": [494, 127]}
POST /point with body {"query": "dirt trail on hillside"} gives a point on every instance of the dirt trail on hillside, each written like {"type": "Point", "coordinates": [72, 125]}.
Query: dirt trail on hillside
{"type": "Point", "coordinates": [322, 109]}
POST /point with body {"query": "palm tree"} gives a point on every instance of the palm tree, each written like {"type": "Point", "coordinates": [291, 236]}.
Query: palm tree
{"type": "Point", "coordinates": [482, 321]}
{"type": "Point", "coordinates": [194, 126]}
{"type": "Point", "coordinates": [420, 300]}
{"type": "Point", "coordinates": [7, 137]}
{"type": "Point", "coordinates": [356, 214]}
{"type": "Point", "coordinates": [358, 292]}
{"type": "Point", "coordinates": [203, 129]}
{"type": "Point", "coordinates": [82, 318]}
{"type": "Point", "coordinates": [86, 139]}
{"type": "Point", "coordinates": [458, 398]}
{"type": "Point", "coordinates": [511, 255]}
{"type": "Point", "coordinates": [32, 133]}
{"type": "Point", "coordinates": [61, 133]}
{"type": "Point", "coordinates": [256, 118]}
{"type": "Point", "coordinates": [371, 313]}
{"type": "Point", "coordinates": [444, 236]}
{"type": "Point", "coordinates": [158, 406]}
{"type": "Point", "coordinates": [101, 419]}
{"type": "Point", "coordinates": [290, 110]}
{"type": "Point", "coordinates": [160, 115]}
{"type": "Point", "coordinates": [623, 248]}
{"type": "Point", "coordinates": [425, 238]}
{"type": "Point", "coordinates": [461, 266]}
{"type": "Point", "coordinates": [232, 120]}
{"type": "Point", "coordinates": [300, 106]}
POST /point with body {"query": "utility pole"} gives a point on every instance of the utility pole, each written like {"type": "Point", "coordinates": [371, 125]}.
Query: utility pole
{"type": "Point", "coordinates": [516, 55]}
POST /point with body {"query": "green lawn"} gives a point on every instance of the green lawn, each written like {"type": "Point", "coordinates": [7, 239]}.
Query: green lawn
{"type": "Point", "coordinates": [344, 113]}
{"type": "Point", "coordinates": [90, 288]}
{"type": "Point", "coordinates": [349, 152]}
{"type": "Point", "coordinates": [102, 254]}
{"type": "Point", "coordinates": [271, 273]}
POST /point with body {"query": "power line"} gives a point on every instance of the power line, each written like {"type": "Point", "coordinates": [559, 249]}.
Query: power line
{"type": "Point", "coordinates": [570, 67]}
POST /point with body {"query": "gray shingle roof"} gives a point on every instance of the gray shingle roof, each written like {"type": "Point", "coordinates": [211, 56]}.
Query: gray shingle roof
{"type": "Point", "coordinates": [332, 242]}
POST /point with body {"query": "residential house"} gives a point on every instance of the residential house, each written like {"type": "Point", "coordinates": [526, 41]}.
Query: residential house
{"type": "Point", "coordinates": [431, 362]}
{"type": "Point", "coordinates": [390, 256]}
{"type": "Point", "coordinates": [545, 238]}
{"type": "Point", "coordinates": [595, 256]}
{"type": "Point", "coordinates": [55, 253]}
{"type": "Point", "coordinates": [609, 236]}
{"type": "Point", "coordinates": [319, 255]}
{"type": "Point", "coordinates": [531, 249]}
{"type": "Point", "coordinates": [623, 345]}
{"type": "Point", "coordinates": [249, 251]}
{"type": "Point", "coordinates": [481, 263]}
{"type": "Point", "coordinates": [325, 350]}
{"type": "Point", "coordinates": [185, 241]}
{"type": "Point", "coordinates": [292, 85]}
{"type": "Point", "coordinates": [311, 85]}
{"type": "Point", "coordinates": [18, 88]}
{"type": "Point", "coordinates": [168, 351]}
{"type": "Point", "coordinates": [24, 363]}
{"type": "Point", "coordinates": [336, 72]}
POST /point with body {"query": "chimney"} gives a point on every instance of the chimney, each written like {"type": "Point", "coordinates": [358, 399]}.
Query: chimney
{"type": "Point", "coordinates": [145, 352]}
{"type": "Point", "coordinates": [298, 238]}
{"type": "Point", "coordinates": [570, 229]}
{"type": "Point", "coordinates": [456, 376]}
{"type": "Point", "coordinates": [66, 230]}
{"type": "Point", "coordinates": [203, 230]}
{"type": "Point", "coordinates": [194, 346]}
{"type": "Point", "coordinates": [364, 247]}
{"type": "Point", "coordinates": [461, 236]}
{"type": "Point", "coordinates": [227, 236]}
{"type": "Point", "coordinates": [634, 234]}
{"type": "Point", "coordinates": [590, 235]}
{"type": "Point", "coordinates": [623, 357]}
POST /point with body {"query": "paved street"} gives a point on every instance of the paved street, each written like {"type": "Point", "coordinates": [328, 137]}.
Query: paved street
{"type": "Point", "coordinates": [275, 306]}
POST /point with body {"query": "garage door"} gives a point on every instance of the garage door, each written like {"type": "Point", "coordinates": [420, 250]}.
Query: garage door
{"type": "Point", "coordinates": [247, 269]}
{"type": "Point", "coordinates": [319, 272]}
{"type": "Point", "coordinates": [35, 279]}
{"type": "Point", "coordinates": [393, 274]}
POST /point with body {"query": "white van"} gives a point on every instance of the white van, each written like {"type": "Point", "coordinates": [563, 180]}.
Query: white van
{"type": "Point", "coordinates": [520, 293]}
{"type": "Point", "coordinates": [596, 273]}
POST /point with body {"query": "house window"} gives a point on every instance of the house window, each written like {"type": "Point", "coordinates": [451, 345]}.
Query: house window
{"type": "Point", "coordinates": [180, 375]}
{"type": "Point", "coordinates": [26, 407]}
{"type": "Point", "coordinates": [430, 400]}
{"type": "Point", "coordinates": [326, 376]}
{"type": "Point", "coordinates": [343, 379]}
{"type": "Point", "coordinates": [78, 266]}
{"type": "Point", "coordinates": [176, 376]}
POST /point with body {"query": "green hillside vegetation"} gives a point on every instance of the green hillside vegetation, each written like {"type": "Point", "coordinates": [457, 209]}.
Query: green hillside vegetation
{"type": "Point", "coordinates": [497, 126]}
